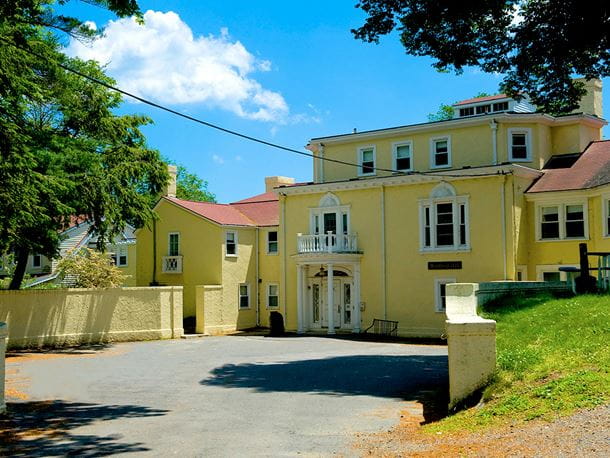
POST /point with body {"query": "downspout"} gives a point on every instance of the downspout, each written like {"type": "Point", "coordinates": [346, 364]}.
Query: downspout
{"type": "Point", "coordinates": [503, 206]}
{"type": "Point", "coordinates": [383, 256]}
{"type": "Point", "coordinates": [283, 266]}
{"type": "Point", "coordinates": [494, 140]}
{"type": "Point", "coordinates": [258, 300]}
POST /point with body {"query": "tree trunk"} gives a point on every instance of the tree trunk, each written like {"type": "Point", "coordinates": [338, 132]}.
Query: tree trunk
{"type": "Point", "coordinates": [21, 256]}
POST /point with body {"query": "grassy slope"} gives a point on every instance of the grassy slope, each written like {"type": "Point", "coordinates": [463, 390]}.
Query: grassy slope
{"type": "Point", "coordinates": [553, 358]}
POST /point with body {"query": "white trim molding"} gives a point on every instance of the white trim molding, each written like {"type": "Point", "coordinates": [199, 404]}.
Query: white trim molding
{"type": "Point", "coordinates": [430, 219]}
{"type": "Point", "coordinates": [528, 143]}
{"type": "Point", "coordinates": [361, 150]}
{"type": "Point", "coordinates": [433, 142]}
{"type": "Point", "coordinates": [395, 147]}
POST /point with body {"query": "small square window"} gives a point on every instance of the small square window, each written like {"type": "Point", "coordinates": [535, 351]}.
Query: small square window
{"type": "Point", "coordinates": [550, 223]}
{"type": "Point", "coordinates": [272, 242]}
{"type": "Point", "coordinates": [403, 157]}
{"type": "Point", "coordinates": [272, 296]}
{"type": "Point", "coordinates": [441, 153]}
{"type": "Point", "coordinates": [367, 161]}
{"type": "Point", "coordinates": [244, 296]}
{"type": "Point", "coordinates": [231, 244]}
{"type": "Point", "coordinates": [551, 276]}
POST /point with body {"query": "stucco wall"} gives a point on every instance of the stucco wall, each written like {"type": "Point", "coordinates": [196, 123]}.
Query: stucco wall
{"type": "Point", "coordinates": [82, 316]}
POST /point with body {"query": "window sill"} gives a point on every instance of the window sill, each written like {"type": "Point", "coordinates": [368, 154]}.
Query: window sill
{"type": "Point", "coordinates": [230, 255]}
{"type": "Point", "coordinates": [571, 239]}
{"type": "Point", "coordinates": [436, 167]}
{"type": "Point", "coordinates": [244, 308]}
{"type": "Point", "coordinates": [512, 159]}
{"type": "Point", "coordinates": [440, 311]}
{"type": "Point", "coordinates": [444, 250]}
{"type": "Point", "coordinates": [367, 174]}
{"type": "Point", "coordinates": [275, 253]}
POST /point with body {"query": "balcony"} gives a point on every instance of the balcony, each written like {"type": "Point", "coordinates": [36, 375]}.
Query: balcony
{"type": "Point", "coordinates": [172, 265]}
{"type": "Point", "coordinates": [327, 243]}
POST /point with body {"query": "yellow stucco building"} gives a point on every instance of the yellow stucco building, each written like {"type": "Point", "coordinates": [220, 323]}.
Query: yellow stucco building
{"type": "Point", "coordinates": [499, 192]}
{"type": "Point", "coordinates": [225, 255]}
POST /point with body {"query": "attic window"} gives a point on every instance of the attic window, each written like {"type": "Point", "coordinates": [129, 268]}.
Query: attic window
{"type": "Point", "coordinates": [467, 111]}
{"type": "Point", "coordinates": [482, 109]}
{"type": "Point", "coordinates": [501, 106]}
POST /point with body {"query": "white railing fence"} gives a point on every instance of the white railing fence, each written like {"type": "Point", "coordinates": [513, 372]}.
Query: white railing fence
{"type": "Point", "coordinates": [172, 264]}
{"type": "Point", "coordinates": [327, 243]}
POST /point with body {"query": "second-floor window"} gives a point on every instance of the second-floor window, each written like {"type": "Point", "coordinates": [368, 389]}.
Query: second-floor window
{"type": "Point", "coordinates": [36, 260]}
{"type": "Point", "coordinates": [562, 221]}
{"type": "Point", "coordinates": [272, 242]}
{"type": "Point", "coordinates": [231, 243]}
{"type": "Point", "coordinates": [366, 159]}
{"type": "Point", "coordinates": [402, 156]}
{"type": "Point", "coordinates": [121, 256]}
{"type": "Point", "coordinates": [440, 152]}
{"type": "Point", "coordinates": [444, 221]}
{"type": "Point", "coordinates": [519, 148]}
{"type": "Point", "coordinates": [174, 244]}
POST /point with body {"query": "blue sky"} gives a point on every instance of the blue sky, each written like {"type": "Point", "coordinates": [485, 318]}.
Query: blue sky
{"type": "Point", "coordinates": [295, 66]}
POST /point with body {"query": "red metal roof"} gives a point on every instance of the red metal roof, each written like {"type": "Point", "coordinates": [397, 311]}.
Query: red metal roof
{"type": "Point", "coordinates": [488, 98]}
{"type": "Point", "coordinates": [592, 169]}
{"type": "Point", "coordinates": [260, 210]}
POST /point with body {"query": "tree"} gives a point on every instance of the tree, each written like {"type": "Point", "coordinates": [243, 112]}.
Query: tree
{"type": "Point", "coordinates": [445, 112]}
{"type": "Point", "coordinates": [538, 45]}
{"type": "Point", "coordinates": [189, 186]}
{"type": "Point", "coordinates": [90, 269]}
{"type": "Point", "coordinates": [63, 151]}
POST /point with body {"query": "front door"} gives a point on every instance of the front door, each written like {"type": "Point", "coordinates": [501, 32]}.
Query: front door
{"type": "Point", "coordinates": [337, 307]}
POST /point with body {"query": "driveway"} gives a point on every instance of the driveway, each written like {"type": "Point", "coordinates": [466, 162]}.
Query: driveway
{"type": "Point", "coordinates": [215, 396]}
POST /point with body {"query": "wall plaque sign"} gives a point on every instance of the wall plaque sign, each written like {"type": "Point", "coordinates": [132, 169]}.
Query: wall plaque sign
{"type": "Point", "coordinates": [444, 265]}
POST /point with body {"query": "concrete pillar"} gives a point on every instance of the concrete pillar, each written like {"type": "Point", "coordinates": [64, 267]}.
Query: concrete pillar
{"type": "Point", "coordinates": [331, 300]}
{"type": "Point", "coordinates": [356, 300]}
{"type": "Point", "coordinates": [3, 337]}
{"type": "Point", "coordinates": [300, 314]}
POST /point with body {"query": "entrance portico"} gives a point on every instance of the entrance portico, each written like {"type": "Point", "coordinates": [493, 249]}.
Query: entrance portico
{"type": "Point", "coordinates": [328, 292]}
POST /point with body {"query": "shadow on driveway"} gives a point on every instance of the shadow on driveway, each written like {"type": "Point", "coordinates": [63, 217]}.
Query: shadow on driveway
{"type": "Point", "coordinates": [414, 378]}
{"type": "Point", "coordinates": [42, 428]}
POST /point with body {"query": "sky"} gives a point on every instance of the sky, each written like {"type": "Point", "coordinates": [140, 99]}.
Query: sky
{"type": "Point", "coordinates": [285, 72]}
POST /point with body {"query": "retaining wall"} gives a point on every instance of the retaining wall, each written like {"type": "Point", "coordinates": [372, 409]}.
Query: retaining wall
{"type": "Point", "coordinates": [85, 316]}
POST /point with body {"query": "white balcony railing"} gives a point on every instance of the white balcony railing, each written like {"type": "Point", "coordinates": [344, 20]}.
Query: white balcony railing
{"type": "Point", "coordinates": [172, 264]}
{"type": "Point", "coordinates": [327, 243]}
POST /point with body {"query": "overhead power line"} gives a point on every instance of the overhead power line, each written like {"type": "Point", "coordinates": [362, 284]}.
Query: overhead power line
{"type": "Point", "coordinates": [230, 131]}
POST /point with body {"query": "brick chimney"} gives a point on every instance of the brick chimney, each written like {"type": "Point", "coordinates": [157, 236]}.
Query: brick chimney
{"type": "Point", "coordinates": [591, 102]}
{"type": "Point", "coordinates": [274, 182]}
{"type": "Point", "coordinates": [170, 189]}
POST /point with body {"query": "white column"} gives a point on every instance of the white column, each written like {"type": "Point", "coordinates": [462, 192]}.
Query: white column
{"type": "Point", "coordinates": [331, 300]}
{"type": "Point", "coordinates": [300, 328]}
{"type": "Point", "coordinates": [356, 300]}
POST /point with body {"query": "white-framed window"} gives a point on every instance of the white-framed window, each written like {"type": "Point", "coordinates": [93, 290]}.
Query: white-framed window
{"type": "Point", "coordinates": [519, 145]}
{"type": "Point", "coordinates": [244, 296]}
{"type": "Point", "coordinates": [173, 244]}
{"type": "Point", "coordinates": [121, 256]}
{"type": "Point", "coordinates": [562, 221]}
{"type": "Point", "coordinates": [440, 293]}
{"type": "Point", "coordinates": [273, 295]}
{"type": "Point", "coordinates": [272, 243]}
{"type": "Point", "coordinates": [440, 152]}
{"type": "Point", "coordinates": [231, 243]}
{"type": "Point", "coordinates": [550, 272]}
{"type": "Point", "coordinates": [36, 260]}
{"type": "Point", "coordinates": [444, 221]}
{"type": "Point", "coordinates": [330, 216]}
{"type": "Point", "coordinates": [402, 153]}
{"type": "Point", "coordinates": [366, 160]}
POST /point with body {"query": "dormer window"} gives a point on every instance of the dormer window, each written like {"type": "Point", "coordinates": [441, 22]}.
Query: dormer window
{"type": "Point", "coordinates": [466, 112]}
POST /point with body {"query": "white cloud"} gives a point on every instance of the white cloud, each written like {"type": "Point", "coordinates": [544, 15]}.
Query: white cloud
{"type": "Point", "coordinates": [219, 160]}
{"type": "Point", "coordinates": [163, 61]}
{"type": "Point", "coordinates": [238, 158]}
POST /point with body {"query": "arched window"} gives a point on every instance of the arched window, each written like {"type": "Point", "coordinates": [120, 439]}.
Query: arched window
{"type": "Point", "coordinates": [444, 220]}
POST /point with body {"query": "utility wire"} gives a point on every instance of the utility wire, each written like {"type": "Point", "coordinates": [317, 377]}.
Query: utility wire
{"type": "Point", "coordinates": [233, 132]}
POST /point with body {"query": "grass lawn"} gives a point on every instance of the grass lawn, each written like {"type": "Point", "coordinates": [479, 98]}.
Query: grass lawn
{"type": "Point", "coordinates": [553, 357]}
